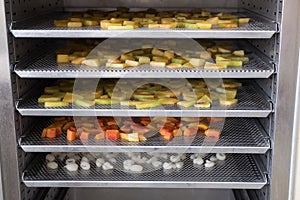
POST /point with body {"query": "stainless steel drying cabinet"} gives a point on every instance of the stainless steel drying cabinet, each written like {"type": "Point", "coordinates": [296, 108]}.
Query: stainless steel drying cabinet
{"type": "Point", "coordinates": [258, 164]}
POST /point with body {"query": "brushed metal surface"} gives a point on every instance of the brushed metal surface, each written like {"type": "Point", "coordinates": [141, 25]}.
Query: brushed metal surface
{"type": "Point", "coordinates": [149, 194]}
{"type": "Point", "coordinates": [150, 3]}
{"type": "Point", "coordinates": [286, 90]}
{"type": "Point", "coordinates": [8, 145]}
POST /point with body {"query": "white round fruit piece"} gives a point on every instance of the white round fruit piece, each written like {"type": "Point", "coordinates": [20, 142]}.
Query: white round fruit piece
{"type": "Point", "coordinates": [85, 165]}
{"type": "Point", "coordinates": [136, 168]}
{"type": "Point", "coordinates": [50, 158]}
{"type": "Point", "coordinates": [72, 167]}
{"type": "Point", "coordinates": [220, 156]}
{"type": "Point", "coordinates": [52, 165]}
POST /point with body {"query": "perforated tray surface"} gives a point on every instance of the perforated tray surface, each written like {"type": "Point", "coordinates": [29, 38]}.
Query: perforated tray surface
{"type": "Point", "coordinates": [46, 67]}
{"type": "Point", "coordinates": [42, 26]}
{"type": "Point", "coordinates": [239, 135]}
{"type": "Point", "coordinates": [237, 171]}
{"type": "Point", "coordinates": [250, 104]}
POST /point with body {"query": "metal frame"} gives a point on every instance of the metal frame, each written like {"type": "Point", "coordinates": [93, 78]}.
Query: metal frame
{"type": "Point", "coordinates": [285, 107]}
{"type": "Point", "coordinates": [286, 78]}
{"type": "Point", "coordinates": [9, 162]}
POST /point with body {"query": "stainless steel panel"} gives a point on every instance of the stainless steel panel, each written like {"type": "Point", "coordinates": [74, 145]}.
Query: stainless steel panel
{"type": "Point", "coordinates": [8, 145]}
{"type": "Point", "coordinates": [267, 8]}
{"type": "Point", "coordinates": [238, 171]}
{"type": "Point", "coordinates": [239, 135]}
{"type": "Point", "coordinates": [251, 104]}
{"type": "Point", "coordinates": [151, 3]}
{"type": "Point", "coordinates": [42, 26]}
{"type": "Point", "coordinates": [149, 194]}
{"type": "Point", "coordinates": [286, 90]}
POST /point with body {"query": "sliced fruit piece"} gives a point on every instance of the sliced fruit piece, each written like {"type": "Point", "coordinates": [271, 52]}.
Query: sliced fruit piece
{"type": "Point", "coordinates": [49, 98]}
{"type": "Point", "coordinates": [78, 60]}
{"type": "Point", "coordinates": [91, 62]}
{"type": "Point", "coordinates": [55, 104]}
{"type": "Point", "coordinates": [174, 65]}
{"type": "Point", "coordinates": [233, 63]}
{"type": "Point", "coordinates": [212, 133]}
{"type": "Point", "coordinates": [144, 60]}
{"type": "Point", "coordinates": [191, 26]}
{"type": "Point", "coordinates": [178, 60]}
{"type": "Point", "coordinates": [239, 58]}
{"type": "Point", "coordinates": [169, 54]}
{"type": "Point", "coordinates": [197, 62]}
{"type": "Point", "coordinates": [74, 24]}
{"type": "Point", "coordinates": [227, 102]}
{"type": "Point", "coordinates": [160, 59]}
{"type": "Point", "coordinates": [90, 23]}
{"type": "Point", "coordinates": [204, 25]}
{"type": "Point", "coordinates": [168, 101]}
{"type": "Point", "coordinates": [145, 105]}
{"type": "Point", "coordinates": [213, 66]}
{"type": "Point", "coordinates": [62, 58]}
{"type": "Point", "coordinates": [133, 137]}
{"type": "Point", "coordinates": [120, 27]}
{"type": "Point", "coordinates": [186, 104]}
{"type": "Point", "coordinates": [205, 55]}
{"type": "Point", "coordinates": [84, 103]}
{"type": "Point", "coordinates": [202, 105]}
{"type": "Point", "coordinates": [61, 23]}
{"type": "Point", "coordinates": [128, 103]}
{"type": "Point", "coordinates": [190, 132]}
{"type": "Point", "coordinates": [157, 64]}
{"type": "Point", "coordinates": [132, 63]}
{"type": "Point", "coordinates": [203, 126]}
{"type": "Point", "coordinates": [99, 136]}
{"type": "Point", "coordinates": [238, 53]}
{"type": "Point", "coordinates": [231, 25]}
{"type": "Point", "coordinates": [187, 65]}
{"type": "Point", "coordinates": [71, 135]}
{"type": "Point", "coordinates": [106, 101]}
{"type": "Point", "coordinates": [204, 99]}
{"type": "Point", "coordinates": [112, 134]}
{"type": "Point", "coordinates": [70, 97]}
{"type": "Point", "coordinates": [244, 20]}
{"type": "Point", "coordinates": [157, 52]}
{"type": "Point", "coordinates": [117, 65]}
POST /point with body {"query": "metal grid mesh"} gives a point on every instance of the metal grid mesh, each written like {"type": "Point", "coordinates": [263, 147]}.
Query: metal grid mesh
{"type": "Point", "coordinates": [237, 132]}
{"type": "Point", "coordinates": [237, 168]}
{"type": "Point", "coordinates": [44, 25]}
{"type": "Point", "coordinates": [248, 99]}
{"type": "Point", "coordinates": [46, 66]}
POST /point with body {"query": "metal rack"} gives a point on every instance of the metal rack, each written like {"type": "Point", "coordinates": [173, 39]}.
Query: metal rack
{"type": "Point", "coordinates": [238, 171]}
{"type": "Point", "coordinates": [42, 26]}
{"type": "Point", "coordinates": [45, 66]}
{"type": "Point", "coordinates": [239, 135]}
{"type": "Point", "coordinates": [251, 104]}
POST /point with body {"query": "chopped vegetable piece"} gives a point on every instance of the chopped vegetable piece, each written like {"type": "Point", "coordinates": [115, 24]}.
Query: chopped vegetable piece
{"type": "Point", "coordinates": [112, 134]}
{"type": "Point", "coordinates": [212, 133]}
{"type": "Point", "coordinates": [84, 135]}
{"type": "Point", "coordinates": [71, 135]}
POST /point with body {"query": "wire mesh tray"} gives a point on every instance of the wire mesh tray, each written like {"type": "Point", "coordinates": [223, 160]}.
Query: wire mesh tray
{"type": "Point", "coordinates": [251, 103]}
{"type": "Point", "coordinates": [239, 135]}
{"type": "Point", "coordinates": [42, 26]}
{"type": "Point", "coordinates": [237, 171]}
{"type": "Point", "coordinates": [45, 66]}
